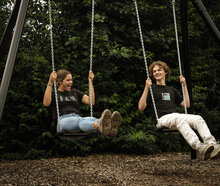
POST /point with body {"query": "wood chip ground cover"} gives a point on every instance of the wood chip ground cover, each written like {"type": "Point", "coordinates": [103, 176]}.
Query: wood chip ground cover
{"type": "Point", "coordinates": [112, 169]}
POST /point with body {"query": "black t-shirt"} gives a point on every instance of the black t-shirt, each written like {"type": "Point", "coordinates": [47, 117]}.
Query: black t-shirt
{"type": "Point", "coordinates": [166, 99]}
{"type": "Point", "coordinates": [69, 102]}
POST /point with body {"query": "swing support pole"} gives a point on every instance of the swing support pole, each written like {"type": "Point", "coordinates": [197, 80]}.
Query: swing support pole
{"type": "Point", "coordinates": [207, 19]}
{"type": "Point", "coordinates": [12, 53]}
{"type": "Point", "coordinates": [7, 35]}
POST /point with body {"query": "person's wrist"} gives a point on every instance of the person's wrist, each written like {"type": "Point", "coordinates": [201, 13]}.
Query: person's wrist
{"type": "Point", "coordinates": [146, 88]}
{"type": "Point", "coordinates": [50, 84]}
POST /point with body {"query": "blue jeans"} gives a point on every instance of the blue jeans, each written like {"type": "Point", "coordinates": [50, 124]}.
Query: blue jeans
{"type": "Point", "coordinates": [74, 122]}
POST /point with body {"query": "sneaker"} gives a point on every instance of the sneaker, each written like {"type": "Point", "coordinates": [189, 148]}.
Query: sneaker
{"type": "Point", "coordinates": [216, 152]}
{"type": "Point", "coordinates": [204, 151]}
{"type": "Point", "coordinates": [116, 122]}
{"type": "Point", "coordinates": [105, 122]}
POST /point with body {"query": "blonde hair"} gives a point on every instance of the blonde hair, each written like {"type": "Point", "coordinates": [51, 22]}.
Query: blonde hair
{"type": "Point", "coordinates": [61, 75]}
{"type": "Point", "coordinates": [161, 64]}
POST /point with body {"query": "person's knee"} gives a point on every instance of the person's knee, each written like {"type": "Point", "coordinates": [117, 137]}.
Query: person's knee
{"type": "Point", "coordinates": [181, 123]}
{"type": "Point", "coordinates": [198, 120]}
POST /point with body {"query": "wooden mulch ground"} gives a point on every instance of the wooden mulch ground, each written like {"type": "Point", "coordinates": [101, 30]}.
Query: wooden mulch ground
{"type": "Point", "coordinates": [112, 169]}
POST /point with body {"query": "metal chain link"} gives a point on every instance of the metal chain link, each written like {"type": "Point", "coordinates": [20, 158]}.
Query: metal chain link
{"type": "Point", "coordinates": [91, 57]}
{"type": "Point", "coordinates": [178, 53]}
{"type": "Point", "coordinates": [144, 54]}
{"type": "Point", "coordinates": [53, 68]}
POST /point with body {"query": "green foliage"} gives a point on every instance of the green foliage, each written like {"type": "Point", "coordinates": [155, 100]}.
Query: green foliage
{"type": "Point", "coordinates": [26, 131]}
{"type": "Point", "coordinates": [135, 140]}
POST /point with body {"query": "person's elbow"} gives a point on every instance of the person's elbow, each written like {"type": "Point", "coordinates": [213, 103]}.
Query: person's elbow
{"type": "Point", "coordinates": [141, 107]}
{"type": "Point", "coordinates": [46, 104]}
{"type": "Point", "coordinates": [93, 103]}
{"type": "Point", "coordinates": [188, 105]}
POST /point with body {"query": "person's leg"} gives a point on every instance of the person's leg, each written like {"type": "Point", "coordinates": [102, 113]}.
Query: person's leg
{"type": "Point", "coordinates": [69, 122]}
{"type": "Point", "coordinates": [74, 122]}
{"type": "Point", "coordinates": [199, 124]}
{"type": "Point", "coordinates": [103, 124]}
{"type": "Point", "coordinates": [178, 121]}
{"type": "Point", "coordinates": [181, 123]}
{"type": "Point", "coordinates": [86, 124]}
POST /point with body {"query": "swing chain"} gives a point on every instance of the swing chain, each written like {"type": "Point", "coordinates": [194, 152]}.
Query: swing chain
{"type": "Point", "coordinates": [53, 68]}
{"type": "Point", "coordinates": [144, 54]}
{"type": "Point", "coordinates": [178, 53]}
{"type": "Point", "coordinates": [91, 57]}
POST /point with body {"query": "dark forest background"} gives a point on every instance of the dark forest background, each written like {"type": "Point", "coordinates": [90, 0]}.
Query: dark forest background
{"type": "Point", "coordinates": [118, 65]}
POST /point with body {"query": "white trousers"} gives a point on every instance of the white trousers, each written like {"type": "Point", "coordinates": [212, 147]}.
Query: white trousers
{"type": "Point", "coordinates": [185, 123]}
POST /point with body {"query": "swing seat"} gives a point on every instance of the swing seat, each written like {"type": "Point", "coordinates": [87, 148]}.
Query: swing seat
{"type": "Point", "coordinates": [77, 135]}
{"type": "Point", "coordinates": [167, 130]}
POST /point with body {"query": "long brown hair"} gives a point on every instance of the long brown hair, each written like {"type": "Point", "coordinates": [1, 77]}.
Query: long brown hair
{"type": "Point", "coordinates": [161, 64]}
{"type": "Point", "coordinates": [61, 74]}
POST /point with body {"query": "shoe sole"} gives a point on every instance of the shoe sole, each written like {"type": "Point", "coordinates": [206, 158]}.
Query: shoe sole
{"type": "Point", "coordinates": [116, 121]}
{"type": "Point", "coordinates": [106, 122]}
{"type": "Point", "coordinates": [216, 155]}
{"type": "Point", "coordinates": [208, 152]}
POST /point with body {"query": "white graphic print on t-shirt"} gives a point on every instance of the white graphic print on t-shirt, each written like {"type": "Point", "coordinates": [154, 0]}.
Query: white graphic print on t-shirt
{"type": "Point", "coordinates": [166, 96]}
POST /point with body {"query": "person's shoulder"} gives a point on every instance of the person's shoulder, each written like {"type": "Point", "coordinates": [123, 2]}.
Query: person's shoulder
{"type": "Point", "coordinates": [74, 90]}
{"type": "Point", "coordinates": [170, 87]}
{"type": "Point", "coordinates": [77, 91]}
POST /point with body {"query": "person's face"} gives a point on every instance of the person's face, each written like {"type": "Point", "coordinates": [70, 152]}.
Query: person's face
{"type": "Point", "coordinates": [159, 73]}
{"type": "Point", "coordinates": [67, 82]}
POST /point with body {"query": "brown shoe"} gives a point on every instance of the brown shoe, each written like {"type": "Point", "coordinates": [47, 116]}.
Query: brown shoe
{"type": "Point", "coordinates": [216, 152]}
{"type": "Point", "coordinates": [105, 122]}
{"type": "Point", "coordinates": [116, 122]}
{"type": "Point", "coordinates": [204, 151]}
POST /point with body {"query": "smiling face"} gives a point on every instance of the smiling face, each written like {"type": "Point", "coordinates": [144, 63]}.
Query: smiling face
{"type": "Point", "coordinates": [159, 73]}
{"type": "Point", "coordinates": [66, 83]}
{"type": "Point", "coordinates": [64, 80]}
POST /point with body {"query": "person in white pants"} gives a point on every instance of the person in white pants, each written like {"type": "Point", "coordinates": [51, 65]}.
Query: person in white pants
{"type": "Point", "coordinates": [166, 98]}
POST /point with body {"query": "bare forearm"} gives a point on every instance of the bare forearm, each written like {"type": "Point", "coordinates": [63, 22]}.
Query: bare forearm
{"type": "Point", "coordinates": [48, 95]}
{"type": "Point", "coordinates": [93, 92]}
{"type": "Point", "coordinates": [143, 100]}
{"type": "Point", "coordinates": [186, 96]}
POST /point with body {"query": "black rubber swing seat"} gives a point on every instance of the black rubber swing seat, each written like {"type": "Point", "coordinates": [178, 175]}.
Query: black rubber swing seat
{"type": "Point", "coordinates": [69, 136]}
{"type": "Point", "coordinates": [166, 130]}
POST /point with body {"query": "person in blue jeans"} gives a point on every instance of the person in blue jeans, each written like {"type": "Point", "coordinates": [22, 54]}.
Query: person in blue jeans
{"type": "Point", "coordinates": [69, 101]}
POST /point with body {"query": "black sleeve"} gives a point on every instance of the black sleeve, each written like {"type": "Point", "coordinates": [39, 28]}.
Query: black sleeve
{"type": "Point", "coordinates": [79, 94]}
